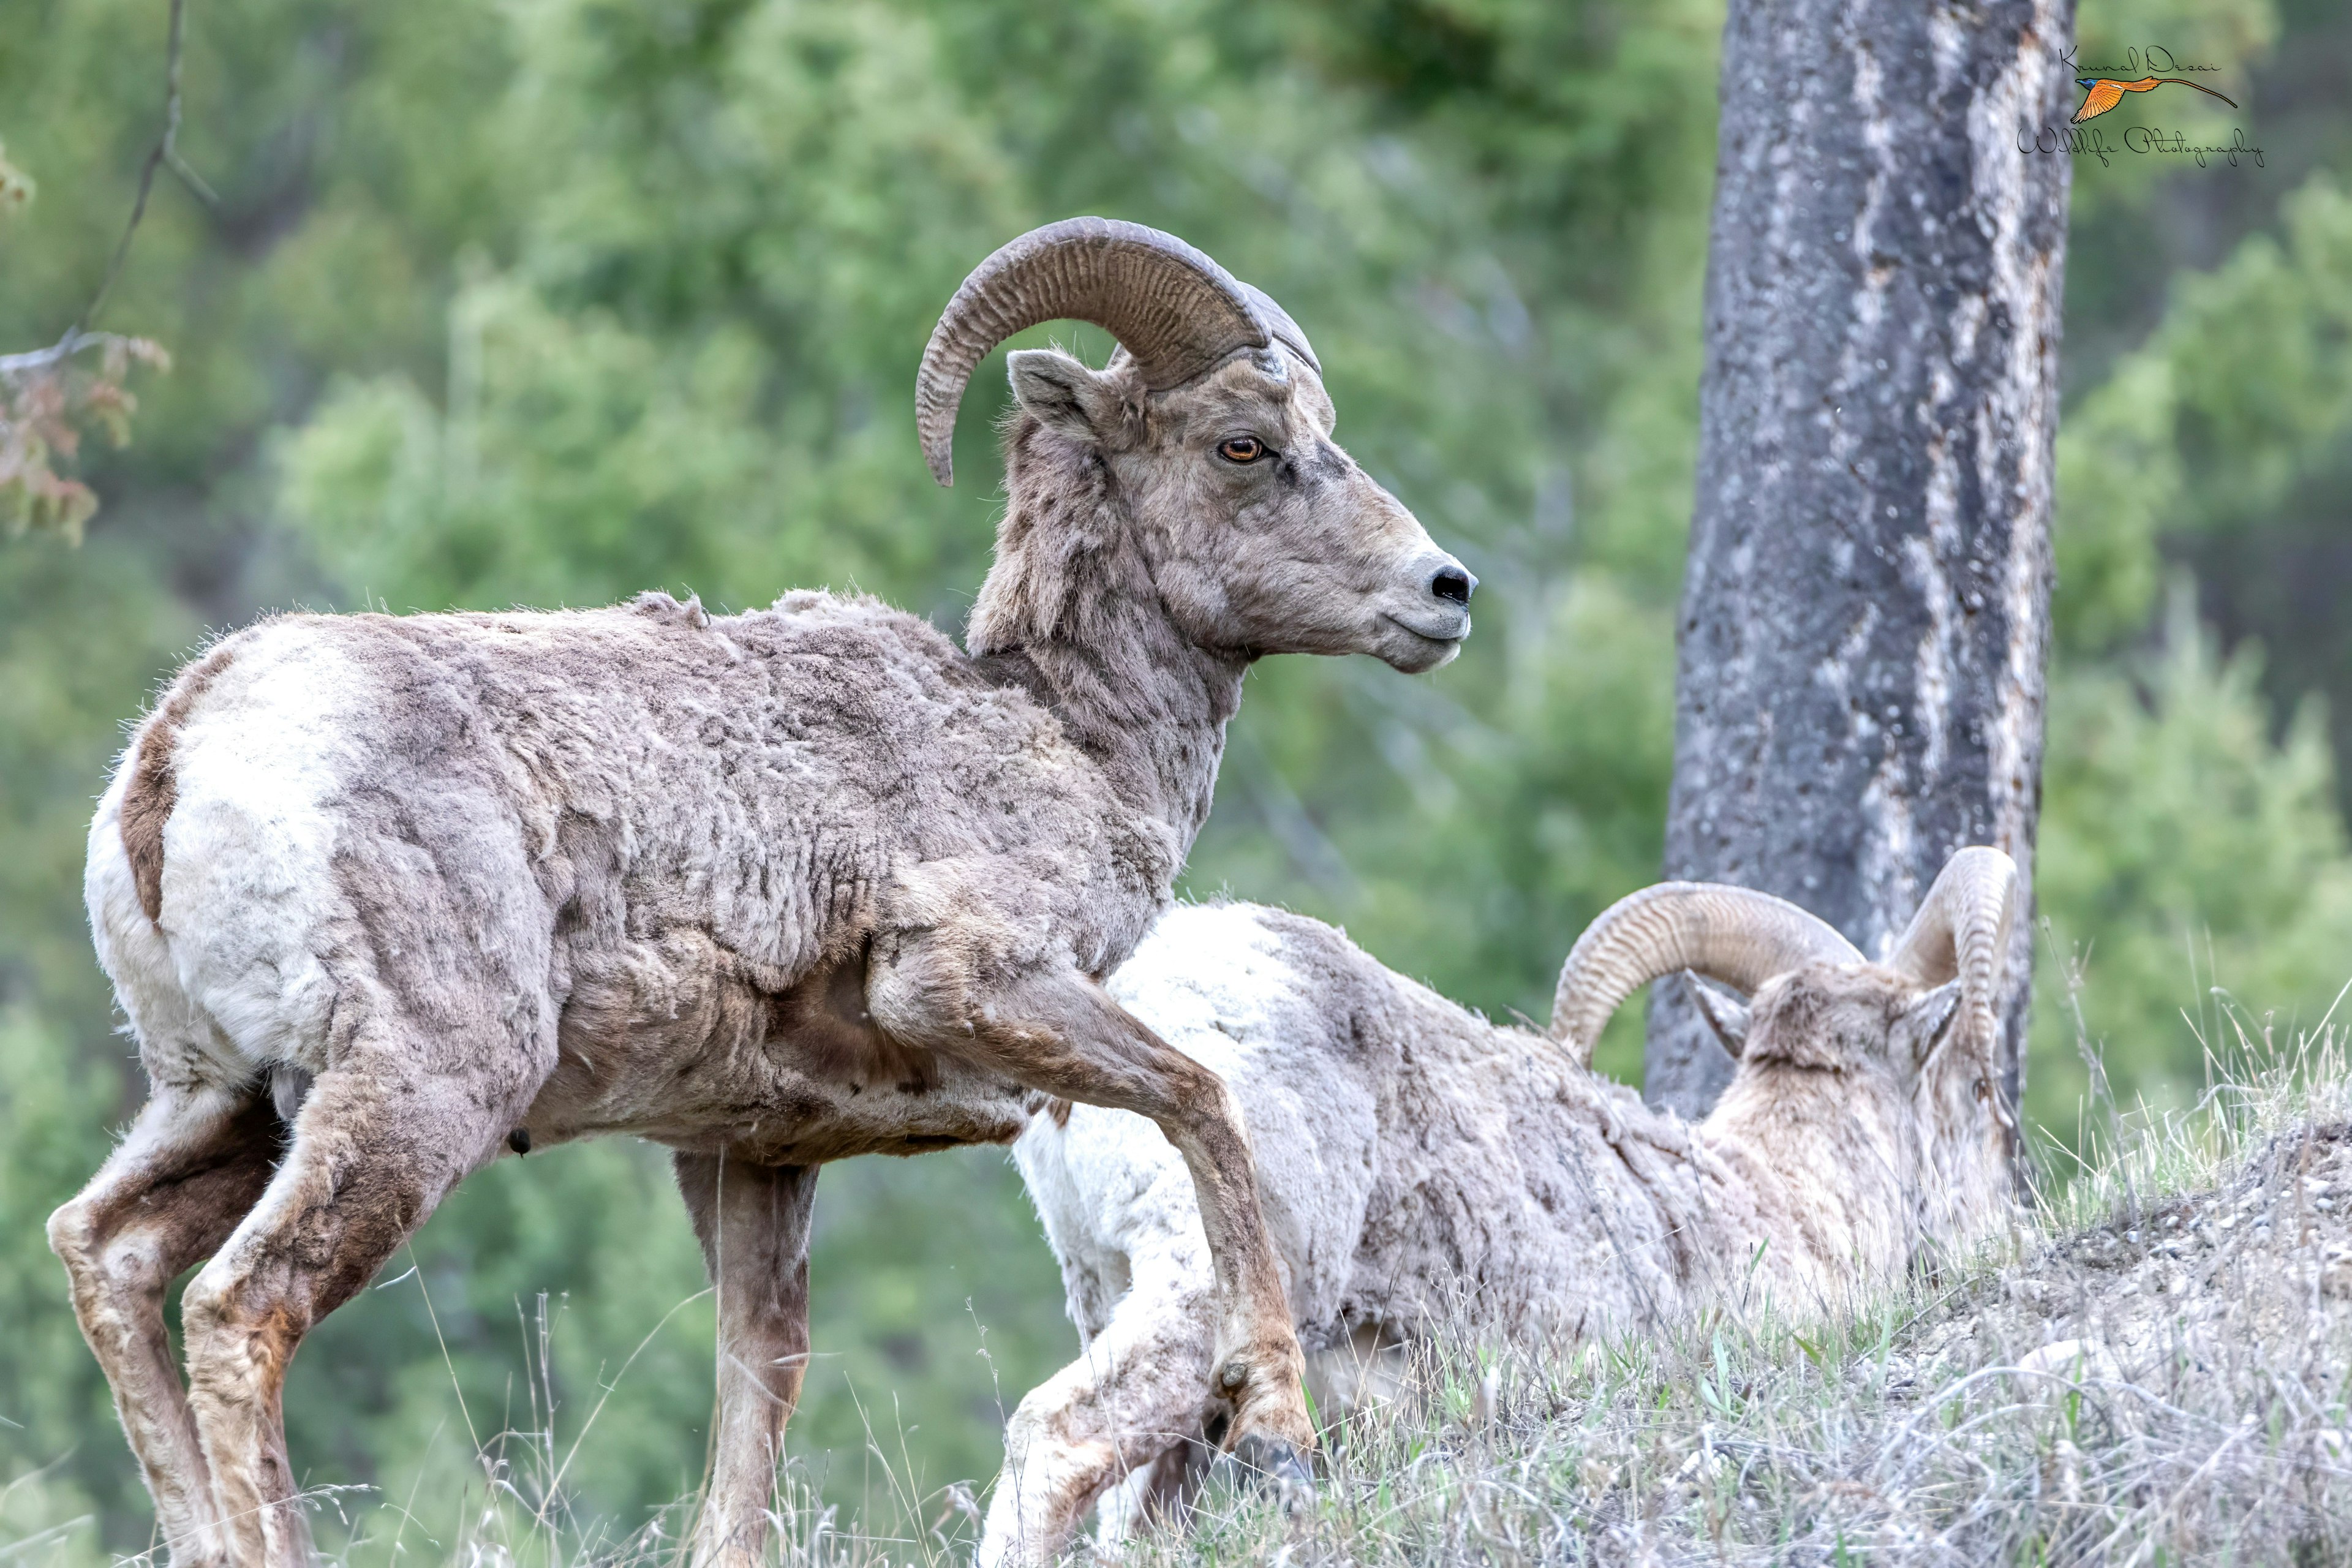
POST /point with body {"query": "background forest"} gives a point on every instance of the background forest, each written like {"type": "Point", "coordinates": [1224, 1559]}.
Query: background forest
{"type": "Point", "coordinates": [547, 302]}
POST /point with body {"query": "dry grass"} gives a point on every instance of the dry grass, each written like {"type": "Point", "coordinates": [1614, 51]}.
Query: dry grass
{"type": "Point", "coordinates": [2154, 1372]}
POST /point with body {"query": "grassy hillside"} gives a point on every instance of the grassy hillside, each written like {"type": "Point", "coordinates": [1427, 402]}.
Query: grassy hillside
{"type": "Point", "coordinates": [2153, 1367]}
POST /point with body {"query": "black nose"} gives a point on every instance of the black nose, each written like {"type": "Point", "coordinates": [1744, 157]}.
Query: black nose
{"type": "Point", "coordinates": [1453, 585]}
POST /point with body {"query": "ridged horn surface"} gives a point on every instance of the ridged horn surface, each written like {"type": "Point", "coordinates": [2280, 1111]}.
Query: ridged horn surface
{"type": "Point", "coordinates": [1962, 929]}
{"type": "Point", "coordinates": [1176, 312]}
{"type": "Point", "coordinates": [1278, 323]}
{"type": "Point", "coordinates": [1736, 935]}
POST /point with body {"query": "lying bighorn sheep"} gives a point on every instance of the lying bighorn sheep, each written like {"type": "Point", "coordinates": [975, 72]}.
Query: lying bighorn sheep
{"type": "Point", "coordinates": [772, 888]}
{"type": "Point", "coordinates": [1407, 1149]}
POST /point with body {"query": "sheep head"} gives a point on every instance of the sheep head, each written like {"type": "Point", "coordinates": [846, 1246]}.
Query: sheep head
{"type": "Point", "coordinates": [1915, 1040]}
{"type": "Point", "coordinates": [1201, 452]}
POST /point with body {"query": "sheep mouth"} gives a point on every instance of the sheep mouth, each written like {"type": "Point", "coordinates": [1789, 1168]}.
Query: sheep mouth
{"type": "Point", "coordinates": [1423, 651]}
{"type": "Point", "coordinates": [1451, 637]}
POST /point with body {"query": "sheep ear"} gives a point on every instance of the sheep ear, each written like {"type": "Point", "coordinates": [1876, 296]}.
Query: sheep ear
{"type": "Point", "coordinates": [1064, 394]}
{"type": "Point", "coordinates": [1726, 1013]}
{"type": "Point", "coordinates": [1931, 1019]}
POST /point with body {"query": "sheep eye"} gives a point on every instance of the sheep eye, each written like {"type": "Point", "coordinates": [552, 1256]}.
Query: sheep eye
{"type": "Point", "coordinates": [1242, 449]}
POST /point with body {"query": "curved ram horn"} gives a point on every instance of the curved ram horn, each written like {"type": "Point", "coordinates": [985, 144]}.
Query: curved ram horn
{"type": "Point", "coordinates": [1736, 935]}
{"type": "Point", "coordinates": [1962, 929]}
{"type": "Point", "coordinates": [1176, 312]}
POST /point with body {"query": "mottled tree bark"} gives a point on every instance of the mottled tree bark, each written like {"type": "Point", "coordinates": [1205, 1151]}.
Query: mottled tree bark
{"type": "Point", "coordinates": [1865, 613]}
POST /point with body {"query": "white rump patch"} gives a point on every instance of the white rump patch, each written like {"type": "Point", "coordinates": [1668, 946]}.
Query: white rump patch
{"type": "Point", "coordinates": [248, 886]}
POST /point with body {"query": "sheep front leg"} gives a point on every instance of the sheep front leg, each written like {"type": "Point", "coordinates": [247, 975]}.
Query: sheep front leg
{"type": "Point", "coordinates": [1128, 1402]}
{"type": "Point", "coordinates": [1057, 1031]}
{"type": "Point", "coordinates": [753, 1223]}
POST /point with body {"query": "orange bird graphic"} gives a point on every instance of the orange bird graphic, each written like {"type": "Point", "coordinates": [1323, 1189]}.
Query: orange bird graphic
{"type": "Point", "coordinates": [2105, 92]}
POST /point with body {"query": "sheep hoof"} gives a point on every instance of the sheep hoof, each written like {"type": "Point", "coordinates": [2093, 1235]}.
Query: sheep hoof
{"type": "Point", "coordinates": [1259, 1460]}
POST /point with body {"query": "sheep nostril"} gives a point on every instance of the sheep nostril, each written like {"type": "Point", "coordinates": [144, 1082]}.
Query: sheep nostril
{"type": "Point", "coordinates": [1453, 585]}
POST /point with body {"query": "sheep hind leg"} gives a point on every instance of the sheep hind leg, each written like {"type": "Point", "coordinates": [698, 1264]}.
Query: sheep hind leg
{"type": "Point", "coordinates": [190, 1170]}
{"type": "Point", "coordinates": [753, 1223]}
{"type": "Point", "coordinates": [1111, 1423]}
{"type": "Point", "coordinates": [1057, 1031]}
{"type": "Point", "coordinates": [382, 1137]}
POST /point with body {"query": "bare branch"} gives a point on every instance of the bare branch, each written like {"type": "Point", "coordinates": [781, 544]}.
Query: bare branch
{"type": "Point", "coordinates": [166, 150]}
{"type": "Point", "coordinates": [42, 406]}
{"type": "Point", "coordinates": [34, 361]}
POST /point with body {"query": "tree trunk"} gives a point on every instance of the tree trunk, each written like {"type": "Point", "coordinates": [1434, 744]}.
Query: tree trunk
{"type": "Point", "coordinates": [1865, 612]}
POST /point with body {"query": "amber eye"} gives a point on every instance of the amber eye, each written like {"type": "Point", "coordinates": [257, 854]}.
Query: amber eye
{"type": "Point", "coordinates": [1242, 449]}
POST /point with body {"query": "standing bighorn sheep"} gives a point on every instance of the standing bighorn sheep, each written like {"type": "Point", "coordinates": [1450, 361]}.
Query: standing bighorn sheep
{"type": "Point", "coordinates": [1409, 1150]}
{"type": "Point", "coordinates": [385, 895]}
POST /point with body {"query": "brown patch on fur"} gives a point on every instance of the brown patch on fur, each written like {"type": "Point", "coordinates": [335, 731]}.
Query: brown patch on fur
{"type": "Point", "coordinates": [835, 1036]}
{"type": "Point", "coordinates": [1036, 1102]}
{"type": "Point", "coordinates": [155, 787]}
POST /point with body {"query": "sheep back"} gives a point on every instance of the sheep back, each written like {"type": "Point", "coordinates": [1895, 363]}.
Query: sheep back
{"type": "Point", "coordinates": [649, 821]}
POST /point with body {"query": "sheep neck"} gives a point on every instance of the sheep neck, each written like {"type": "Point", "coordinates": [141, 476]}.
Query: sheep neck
{"type": "Point", "coordinates": [1158, 739]}
{"type": "Point", "coordinates": [1071, 611]}
{"type": "Point", "coordinates": [1800, 1121]}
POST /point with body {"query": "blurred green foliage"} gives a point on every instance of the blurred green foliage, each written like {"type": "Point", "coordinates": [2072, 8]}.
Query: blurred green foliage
{"type": "Point", "coordinates": [553, 301]}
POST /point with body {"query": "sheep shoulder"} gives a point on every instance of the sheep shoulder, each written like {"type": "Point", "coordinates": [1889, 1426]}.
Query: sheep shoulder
{"type": "Point", "coordinates": [1516, 1187]}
